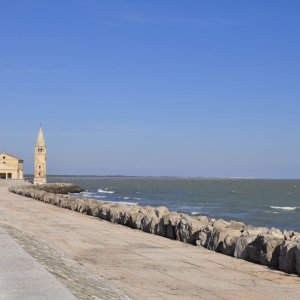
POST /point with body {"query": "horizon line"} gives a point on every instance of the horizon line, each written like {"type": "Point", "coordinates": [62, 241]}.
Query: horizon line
{"type": "Point", "coordinates": [168, 176]}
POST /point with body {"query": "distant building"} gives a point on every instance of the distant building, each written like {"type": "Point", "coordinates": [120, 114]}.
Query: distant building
{"type": "Point", "coordinates": [40, 159]}
{"type": "Point", "coordinates": [11, 167]}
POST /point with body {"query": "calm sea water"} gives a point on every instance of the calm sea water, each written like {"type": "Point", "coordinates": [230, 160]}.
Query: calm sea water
{"type": "Point", "coordinates": [256, 202]}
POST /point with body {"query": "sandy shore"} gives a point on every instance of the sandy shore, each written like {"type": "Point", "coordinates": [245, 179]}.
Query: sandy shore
{"type": "Point", "coordinates": [98, 259]}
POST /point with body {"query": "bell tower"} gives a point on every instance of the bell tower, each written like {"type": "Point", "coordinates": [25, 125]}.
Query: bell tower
{"type": "Point", "coordinates": [40, 159]}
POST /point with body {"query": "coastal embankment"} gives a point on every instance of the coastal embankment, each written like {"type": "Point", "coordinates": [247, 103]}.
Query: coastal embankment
{"type": "Point", "coordinates": [88, 253]}
{"type": "Point", "coordinates": [270, 247]}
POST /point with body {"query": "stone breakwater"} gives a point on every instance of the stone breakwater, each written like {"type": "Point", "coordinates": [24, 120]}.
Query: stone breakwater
{"type": "Point", "coordinates": [271, 247]}
{"type": "Point", "coordinates": [58, 188]}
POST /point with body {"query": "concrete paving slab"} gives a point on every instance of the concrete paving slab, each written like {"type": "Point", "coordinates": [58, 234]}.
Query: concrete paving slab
{"type": "Point", "coordinates": [21, 277]}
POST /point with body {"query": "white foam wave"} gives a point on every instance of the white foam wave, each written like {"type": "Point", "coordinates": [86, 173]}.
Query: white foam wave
{"type": "Point", "coordinates": [119, 202]}
{"type": "Point", "coordinates": [195, 213]}
{"type": "Point", "coordinates": [128, 203]}
{"type": "Point", "coordinates": [271, 212]}
{"type": "Point", "coordinates": [105, 191]}
{"type": "Point", "coordinates": [100, 197]}
{"type": "Point", "coordinates": [284, 207]}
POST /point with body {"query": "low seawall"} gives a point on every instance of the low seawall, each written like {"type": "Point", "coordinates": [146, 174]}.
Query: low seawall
{"type": "Point", "coordinates": [270, 247]}
{"type": "Point", "coordinates": [13, 182]}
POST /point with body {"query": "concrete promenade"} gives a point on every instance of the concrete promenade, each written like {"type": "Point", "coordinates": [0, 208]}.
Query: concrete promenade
{"type": "Point", "coordinates": [21, 277]}
{"type": "Point", "coordinates": [97, 259]}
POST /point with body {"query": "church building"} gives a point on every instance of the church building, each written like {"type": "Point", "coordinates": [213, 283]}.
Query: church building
{"type": "Point", "coordinates": [11, 167]}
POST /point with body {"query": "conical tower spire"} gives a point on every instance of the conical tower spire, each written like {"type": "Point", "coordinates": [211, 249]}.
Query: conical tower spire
{"type": "Point", "coordinates": [40, 141]}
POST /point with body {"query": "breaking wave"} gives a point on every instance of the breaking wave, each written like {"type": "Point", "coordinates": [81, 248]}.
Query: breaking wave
{"type": "Point", "coordinates": [195, 213]}
{"type": "Point", "coordinates": [288, 208]}
{"type": "Point", "coordinates": [119, 202]}
{"type": "Point", "coordinates": [105, 191]}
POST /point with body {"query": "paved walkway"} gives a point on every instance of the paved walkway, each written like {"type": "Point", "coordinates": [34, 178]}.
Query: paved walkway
{"type": "Point", "coordinates": [21, 277]}
{"type": "Point", "coordinates": [140, 265]}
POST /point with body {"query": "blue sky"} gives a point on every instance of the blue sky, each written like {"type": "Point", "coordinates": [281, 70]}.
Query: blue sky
{"type": "Point", "coordinates": [183, 88]}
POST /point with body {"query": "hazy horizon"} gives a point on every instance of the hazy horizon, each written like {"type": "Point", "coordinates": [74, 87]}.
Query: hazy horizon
{"type": "Point", "coordinates": [165, 176]}
{"type": "Point", "coordinates": [167, 88]}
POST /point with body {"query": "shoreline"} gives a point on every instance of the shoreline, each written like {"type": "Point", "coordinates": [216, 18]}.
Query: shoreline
{"type": "Point", "coordinates": [142, 265]}
{"type": "Point", "coordinates": [267, 246]}
{"type": "Point", "coordinates": [250, 201]}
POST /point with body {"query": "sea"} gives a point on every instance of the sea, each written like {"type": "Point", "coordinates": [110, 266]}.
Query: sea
{"type": "Point", "coordinates": [257, 202]}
